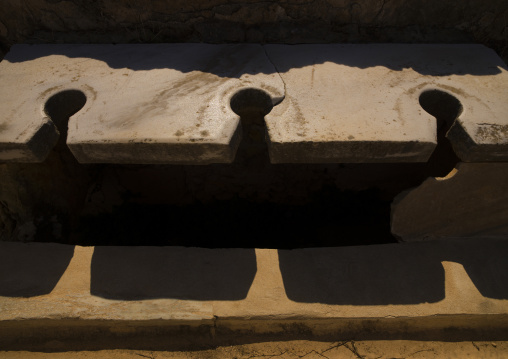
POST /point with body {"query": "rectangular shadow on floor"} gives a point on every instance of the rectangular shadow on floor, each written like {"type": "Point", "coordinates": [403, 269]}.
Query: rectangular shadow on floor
{"type": "Point", "coordinates": [33, 269]}
{"type": "Point", "coordinates": [364, 275]}
{"type": "Point", "coordinates": [404, 273]}
{"type": "Point", "coordinates": [138, 273]}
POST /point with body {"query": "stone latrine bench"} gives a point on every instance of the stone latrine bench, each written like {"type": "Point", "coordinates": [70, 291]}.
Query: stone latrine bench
{"type": "Point", "coordinates": [177, 117]}
{"type": "Point", "coordinates": [168, 104]}
{"type": "Point", "coordinates": [181, 104]}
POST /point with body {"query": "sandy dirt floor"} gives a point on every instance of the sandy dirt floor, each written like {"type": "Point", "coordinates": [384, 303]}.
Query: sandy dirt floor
{"type": "Point", "coordinates": [396, 349]}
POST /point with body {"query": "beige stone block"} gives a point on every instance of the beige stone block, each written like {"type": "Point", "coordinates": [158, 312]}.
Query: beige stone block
{"type": "Point", "coordinates": [360, 103]}
{"type": "Point", "coordinates": [155, 103]}
{"type": "Point", "coordinates": [178, 103]}
{"type": "Point", "coordinates": [471, 202]}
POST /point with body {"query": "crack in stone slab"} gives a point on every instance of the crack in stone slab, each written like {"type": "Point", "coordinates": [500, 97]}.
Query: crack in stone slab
{"type": "Point", "coordinates": [278, 73]}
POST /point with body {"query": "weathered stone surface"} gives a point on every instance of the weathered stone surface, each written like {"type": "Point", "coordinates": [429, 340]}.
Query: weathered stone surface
{"type": "Point", "coordinates": [172, 103]}
{"type": "Point", "coordinates": [360, 103]}
{"type": "Point", "coordinates": [26, 134]}
{"type": "Point", "coordinates": [145, 103]}
{"type": "Point", "coordinates": [471, 202]}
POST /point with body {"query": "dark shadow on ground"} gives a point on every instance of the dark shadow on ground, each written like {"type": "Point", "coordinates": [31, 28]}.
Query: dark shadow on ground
{"type": "Point", "coordinates": [137, 273]}
{"type": "Point", "coordinates": [28, 270]}
{"type": "Point", "coordinates": [234, 60]}
{"type": "Point", "coordinates": [373, 275]}
{"type": "Point", "coordinates": [405, 273]}
{"type": "Point", "coordinates": [486, 263]}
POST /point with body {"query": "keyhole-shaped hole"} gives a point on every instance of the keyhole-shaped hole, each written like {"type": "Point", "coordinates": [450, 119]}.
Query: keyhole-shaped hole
{"type": "Point", "coordinates": [445, 108]}
{"type": "Point", "coordinates": [252, 105]}
{"type": "Point", "coordinates": [251, 100]}
{"type": "Point", "coordinates": [60, 107]}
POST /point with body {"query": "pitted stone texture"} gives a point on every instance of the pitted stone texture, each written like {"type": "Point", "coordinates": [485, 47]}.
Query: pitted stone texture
{"type": "Point", "coordinates": [156, 103]}
{"type": "Point", "coordinates": [360, 103]}
{"type": "Point", "coordinates": [471, 202]}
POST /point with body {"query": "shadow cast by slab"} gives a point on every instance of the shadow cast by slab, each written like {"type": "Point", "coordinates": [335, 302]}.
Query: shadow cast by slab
{"type": "Point", "coordinates": [137, 273]}
{"type": "Point", "coordinates": [404, 273]}
{"type": "Point", "coordinates": [446, 109]}
{"type": "Point", "coordinates": [28, 270]}
{"type": "Point", "coordinates": [373, 275]}
{"type": "Point", "coordinates": [425, 59]}
{"type": "Point", "coordinates": [486, 263]}
{"type": "Point", "coordinates": [229, 60]}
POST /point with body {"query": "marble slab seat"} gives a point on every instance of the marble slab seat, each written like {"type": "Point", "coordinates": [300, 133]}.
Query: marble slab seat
{"type": "Point", "coordinates": [360, 103]}
{"type": "Point", "coordinates": [145, 103]}
{"type": "Point", "coordinates": [171, 103]}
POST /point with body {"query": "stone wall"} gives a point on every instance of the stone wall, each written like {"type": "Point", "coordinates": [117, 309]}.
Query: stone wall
{"type": "Point", "coordinates": [286, 21]}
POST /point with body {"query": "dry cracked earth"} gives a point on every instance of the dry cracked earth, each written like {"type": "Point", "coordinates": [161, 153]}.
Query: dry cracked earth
{"type": "Point", "coordinates": [395, 349]}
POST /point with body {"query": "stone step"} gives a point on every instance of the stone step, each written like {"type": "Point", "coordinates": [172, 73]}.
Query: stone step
{"type": "Point", "coordinates": [173, 103]}
{"type": "Point", "coordinates": [53, 294]}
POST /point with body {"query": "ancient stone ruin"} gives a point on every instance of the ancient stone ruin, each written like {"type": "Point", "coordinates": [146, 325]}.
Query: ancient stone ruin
{"type": "Point", "coordinates": [443, 106]}
{"type": "Point", "coordinates": [197, 173]}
